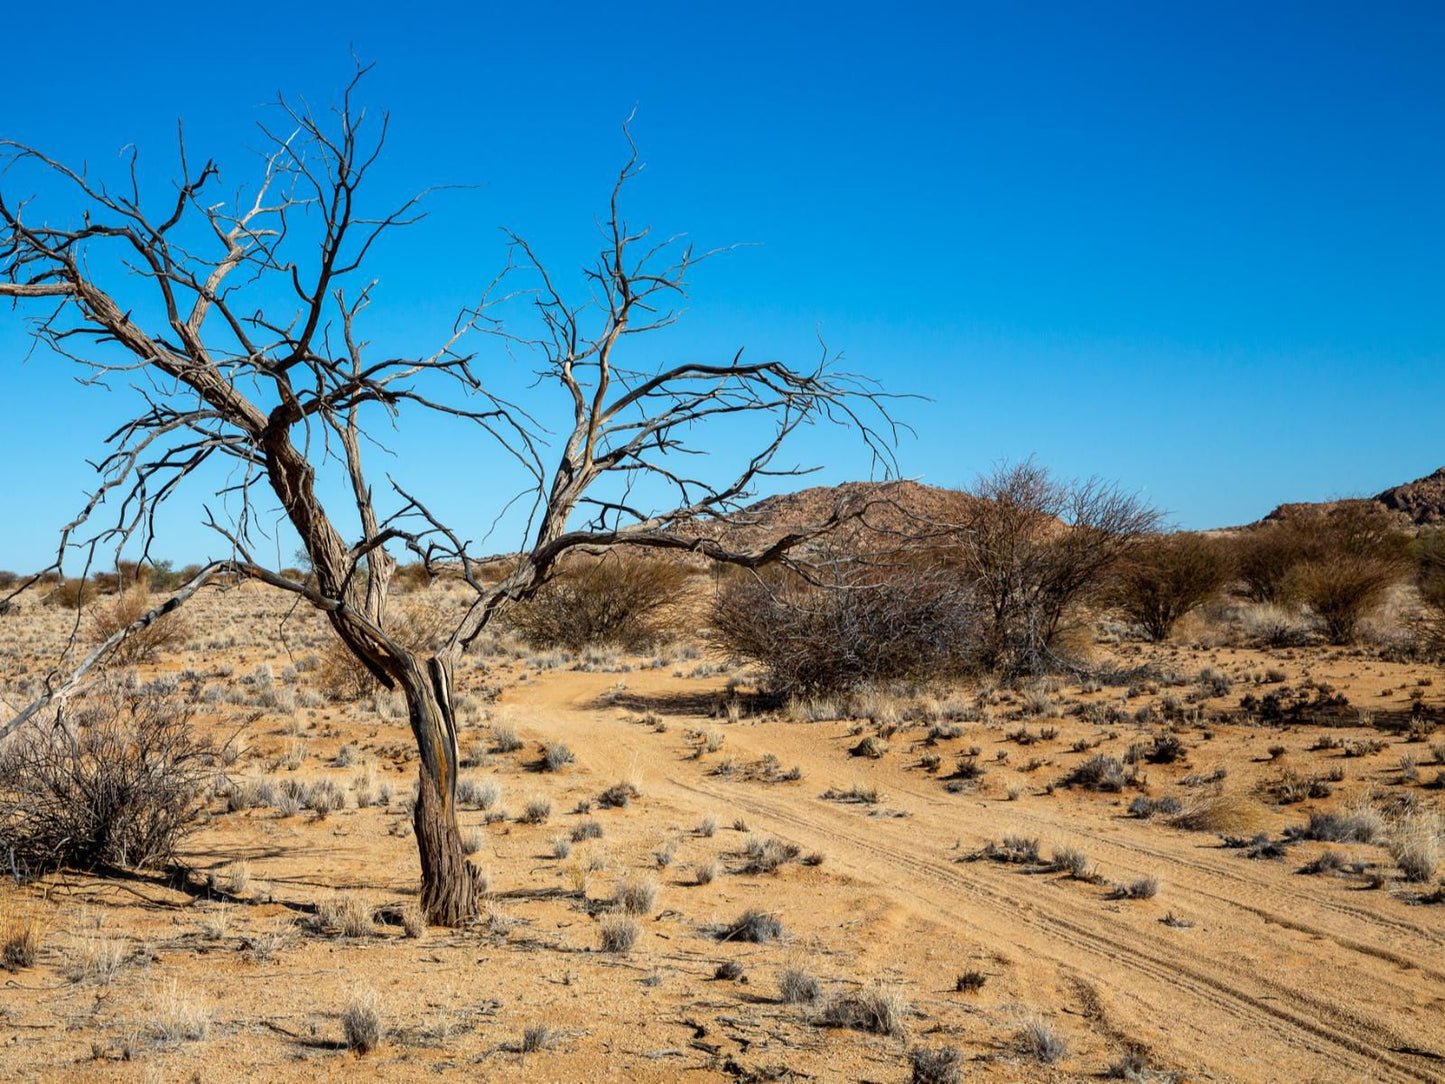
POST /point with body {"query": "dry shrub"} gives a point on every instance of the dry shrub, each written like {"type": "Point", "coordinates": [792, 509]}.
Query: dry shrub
{"type": "Point", "coordinates": [165, 634]}
{"type": "Point", "coordinates": [877, 1010]}
{"type": "Point", "coordinates": [871, 625]}
{"type": "Point", "coordinates": [22, 931]}
{"type": "Point", "coordinates": [1222, 811]}
{"type": "Point", "coordinates": [418, 626]}
{"type": "Point", "coordinates": [361, 1021]}
{"type": "Point", "coordinates": [346, 915]}
{"type": "Point", "coordinates": [1342, 588]}
{"type": "Point", "coordinates": [1415, 844]}
{"type": "Point", "coordinates": [618, 601]}
{"type": "Point", "coordinates": [617, 934]}
{"type": "Point", "coordinates": [1036, 551]}
{"type": "Point", "coordinates": [1266, 556]}
{"type": "Point", "coordinates": [936, 1065]}
{"type": "Point", "coordinates": [1168, 576]}
{"type": "Point", "coordinates": [1338, 561]}
{"type": "Point", "coordinates": [179, 1018]}
{"type": "Point", "coordinates": [70, 594]}
{"type": "Point", "coordinates": [117, 780]}
{"type": "Point", "coordinates": [1429, 554]}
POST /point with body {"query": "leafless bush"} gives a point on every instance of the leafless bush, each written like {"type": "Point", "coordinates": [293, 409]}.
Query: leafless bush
{"type": "Point", "coordinates": [1266, 556]}
{"type": "Point", "coordinates": [868, 625]}
{"type": "Point", "coordinates": [1338, 561]}
{"type": "Point", "coordinates": [1342, 588]}
{"type": "Point", "coordinates": [418, 626]}
{"type": "Point", "coordinates": [1166, 577]}
{"type": "Point", "coordinates": [117, 780]}
{"type": "Point", "coordinates": [1035, 550]}
{"type": "Point", "coordinates": [165, 634]}
{"type": "Point", "coordinates": [618, 601]}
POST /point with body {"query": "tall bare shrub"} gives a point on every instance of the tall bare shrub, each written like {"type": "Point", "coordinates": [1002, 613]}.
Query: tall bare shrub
{"type": "Point", "coordinates": [1168, 576]}
{"type": "Point", "coordinates": [1356, 554]}
{"type": "Point", "coordinates": [618, 601]}
{"type": "Point", "coordinates": [166, 634]}
{"type": "Point", "coordinates": [1035, 550]}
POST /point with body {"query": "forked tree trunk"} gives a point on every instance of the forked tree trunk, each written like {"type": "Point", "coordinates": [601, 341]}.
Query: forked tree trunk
{"type": "Point", "coordinates": [450, 886]}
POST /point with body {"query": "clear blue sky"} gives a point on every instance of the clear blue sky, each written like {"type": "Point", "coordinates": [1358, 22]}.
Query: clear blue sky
{"type": "Point", "coordinates": [1195, 248]}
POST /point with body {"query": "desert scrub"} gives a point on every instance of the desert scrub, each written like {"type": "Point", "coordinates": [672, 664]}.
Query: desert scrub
{"type": "Point", "coordinates": [179, 1018]}
{"type": "Point", "coordinates": [754, 927]}
{"type": "Point", "coordinates": [878, 1010]}
{"type": "Point", "coordinates": [936, 1065]}
{"type": "Point", "coordinates": [344, 914]}
{"type": "Point", "coordinates": [537, 811]}
{"type": "Point", "coordinates": [636, 895]}
{"type": "Point", "coordinates": [556, 756]}
{"type": "Point", "coordinates": [618, 934]}
{"type": "Point", "coordinates": [767, 855]}
{"type": "Point", "coordinates": [796, 986]}
{"type": "Point", "coordinates": [1415, 845]}
{"type": "Point", "coordinates": [22, 932]}
{"type": "Point", "coordinates": [1141, 888]}
{"type": "Point", "coordinates": [361, 1021]}
{"type": "Point", "coordinates": [1037, 1039]}
{"type": "Point", "coordinates": [121, 785]}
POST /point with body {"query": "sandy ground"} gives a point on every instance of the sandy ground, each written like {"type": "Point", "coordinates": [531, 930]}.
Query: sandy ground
{"type": "Point", "coordinates": [1260, 973]}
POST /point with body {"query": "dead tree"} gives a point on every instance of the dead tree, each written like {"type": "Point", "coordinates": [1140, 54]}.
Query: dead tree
{"type": "Point", "coordinates": [239, 325]}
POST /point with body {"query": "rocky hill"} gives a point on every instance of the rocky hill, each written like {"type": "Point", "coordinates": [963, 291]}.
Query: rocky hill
{"type": "Point", "coordinates": [1420, 503]}
{"type": "Point", "coordinates": [1422, 500]}
{"type": "Point", "coordinates": [891, 509]}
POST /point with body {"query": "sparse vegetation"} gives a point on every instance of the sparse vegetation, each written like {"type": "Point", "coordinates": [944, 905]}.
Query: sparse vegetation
{"type": "Point", "coordinates": [755, 927]}
{"type": "Point", "coordinates": [361, 1021]}
{"type": "Point", "coordinates": [617, 601]}
{"type": "Point", "coordinates": [877, 1009]}
{"type": "Point", "coordinates": [118, 780]}
{"type": "Point", "coordinates": [617, 934]}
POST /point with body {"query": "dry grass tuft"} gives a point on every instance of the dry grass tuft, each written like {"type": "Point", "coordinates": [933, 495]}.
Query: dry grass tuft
{"type": "Point", "coordinates": [344, 914]}
{"type": "Point", "coordinates": [361, 1021]}
{"type": "Point", "coordinates": [798, 987]}
{"type": "Point", "coordinates": [878, 1010]}
{"type": "Point", "coordinates": [22, 932]}
{"type": "Point", "coordinates": [1038, 1040]}
{"type": "Point", "coordinates": [618, 934]}
{"type": "Point", "coordinates": [936, 1065]}
{"type": "Point", "coordinates": [636, 895]}
{"type": "Point", "coordinates": [179, 1019]}
{"type": "Point", "coordinates": [1222, 811]}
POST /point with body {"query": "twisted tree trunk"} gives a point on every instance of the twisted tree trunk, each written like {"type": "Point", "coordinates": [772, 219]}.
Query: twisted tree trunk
{"type": "Point", "coordinates": [451, 886]}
